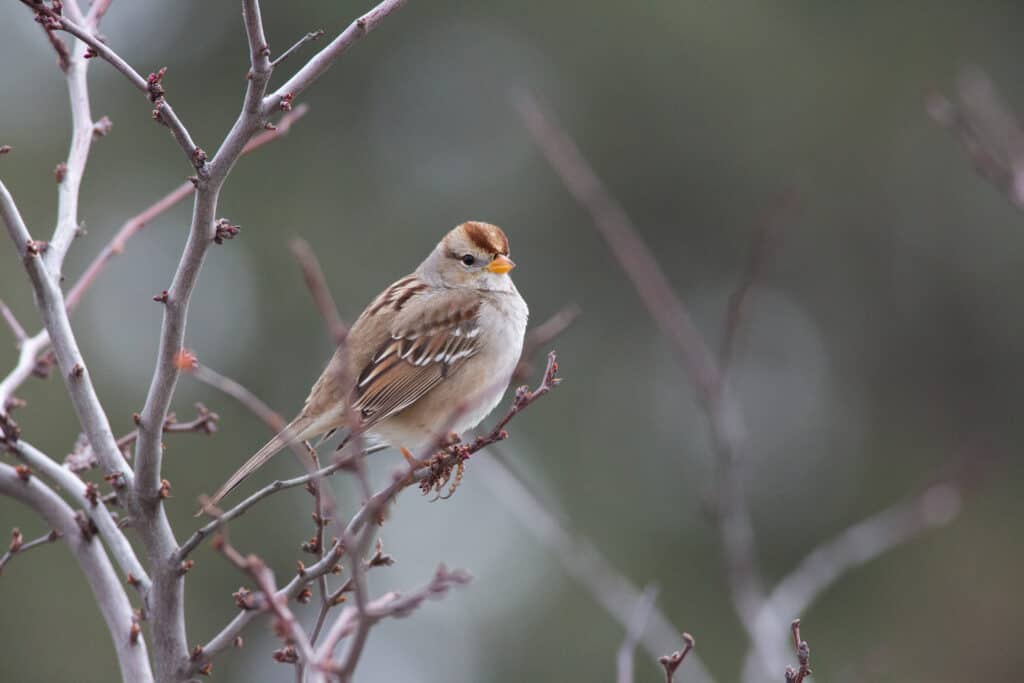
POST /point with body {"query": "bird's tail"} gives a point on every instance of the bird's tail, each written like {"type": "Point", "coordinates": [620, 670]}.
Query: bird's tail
{"type": "Point", "coordinates": [299, 429]}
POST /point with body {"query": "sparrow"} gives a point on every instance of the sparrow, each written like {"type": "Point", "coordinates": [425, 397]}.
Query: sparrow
{"type": "Point", "coordinates": [433, 353]}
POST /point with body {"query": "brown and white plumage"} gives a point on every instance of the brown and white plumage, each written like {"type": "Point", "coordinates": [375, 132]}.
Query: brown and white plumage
{"type": "Point", "coordinates": [434, 352]}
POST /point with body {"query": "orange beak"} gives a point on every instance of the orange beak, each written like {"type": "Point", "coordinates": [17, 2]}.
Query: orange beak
{"type": "Point", "coordinates": [501, 264]}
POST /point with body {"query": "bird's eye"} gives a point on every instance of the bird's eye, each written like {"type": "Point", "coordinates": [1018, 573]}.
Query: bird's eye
{"type": "Point", "coordinates": [468, 259]}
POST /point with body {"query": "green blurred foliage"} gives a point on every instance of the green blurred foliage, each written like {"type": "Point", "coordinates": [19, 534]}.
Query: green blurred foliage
{"type": "Point", "coordinates": [885, 341]}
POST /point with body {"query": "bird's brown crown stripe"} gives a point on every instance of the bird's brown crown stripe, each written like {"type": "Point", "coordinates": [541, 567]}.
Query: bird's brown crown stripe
{"type": "Point", "coordinates": [490, 238]}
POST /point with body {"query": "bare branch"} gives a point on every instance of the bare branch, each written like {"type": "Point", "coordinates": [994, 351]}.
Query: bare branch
{"type": "Point", "coordinates": [259, 56]}
{"type": "Point", "coordinates": [634, 631]}
{"type": "Point", "coordinates": [370, 510]}
{"type": "Point", "coordinates": [322, 60]}
{"type": "Point", "coordinates": [50, 301]}
{"type": "Point", "coordinates": [626, 245]}
{"type": "Point", "coordinates": [249, 400]}
{"type": "Point", "coordinates": [108, 592]}
{"type": "Point", "coordinates": [273, 487]}
{"type": "Point", "coordinates": [150, 86]}
{"type": "Point", "coordinates": [27, 354]}
{"type": "Point", "coordinates": [119, 546]}
{"type": "Point", "coordinates": [287, 625]}
{"type": "Point", "coordinates": [226, 637]}
{"type": "Point", "coordinates": [96, 12]}
{"type": "Point", "coordinates": [19, 545]}
{"type": "Point", "coordinates": [669, 312]}
{"type": "Point", "coordinates": [318, 288]}
{"type": "Point", "coordinates": [582, 561]}
{"type": "Point", "coordinates": [388, 605]}
{"type": "Point", "coordinates": [205, 422]}
{"type": "Point", "coordinates": [988, 130]}
{"type": "Point", "coordinates": [854, 547]}
{"type": "Point", "coordinates": [541, 336]}
{"type": "Point", "coordinates": [82, 134]}
{"type": "Point", "coordinates": [765, 244]}
{"type": "Point", "coordinates": [12, 322]}
{"type": "Point", "coordinates": [136, 223]}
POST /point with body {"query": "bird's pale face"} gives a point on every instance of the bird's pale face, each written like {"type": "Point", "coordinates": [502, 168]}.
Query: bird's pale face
{"type": "Point", "coordinates": [473, 255]}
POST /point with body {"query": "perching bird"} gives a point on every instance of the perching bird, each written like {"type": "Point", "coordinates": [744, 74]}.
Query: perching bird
{"type": "Point", "coordinates": [431, 354]}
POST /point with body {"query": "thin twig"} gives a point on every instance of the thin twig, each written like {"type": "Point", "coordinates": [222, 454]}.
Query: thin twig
{"type": "Point", "coordinates": [287, 625]}
{"type": "Point", "coordinates": [273, 487]}
{"type": "Point", "coordinates": [249, 400]}
{"type": "Point", "coordinates": [625, 243]}
{"type": "Point", "coordinates": [321, 293]}
{"type": "Point", "coordinates": [226, 637]}
{"type": "Point", "coordinates": [322, 60]}
{"type": "Point", "coordinates": [540, 336]}
{"type": "Point", "coordinates": [312, 35]}
{"type": "Point", "coordinates": [393, 605]}
{"type": "Point", "coordinates": [19, 545]}
{"type": "Point", "coordinates": [670, 314]}
{"type": "Point", "coordinates": [12, 322]}
{"type": "Point", "coordinates": [205, 422]}
{"type": "Point", "coordinates": [765, 243]}
{"type": "Point", "coordinates": [853, 547]}
{"type": "Point", "coordinates": [672, 662]}
{"type": "Point", "coordinates": [803, 656]}
{"type": "Point", "coordinates": [134, 225]}
{"type": "Point", "coordinates": [151, 87]}
{"type": "Point", "coordinates": [582, 560]}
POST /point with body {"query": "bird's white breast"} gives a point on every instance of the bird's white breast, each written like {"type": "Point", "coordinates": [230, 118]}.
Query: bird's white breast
{"type": "Point", "coordinates": [504, 318]}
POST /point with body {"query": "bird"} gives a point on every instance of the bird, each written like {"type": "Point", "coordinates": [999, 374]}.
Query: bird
{"type": "Point", "coordinates": [433, 353]}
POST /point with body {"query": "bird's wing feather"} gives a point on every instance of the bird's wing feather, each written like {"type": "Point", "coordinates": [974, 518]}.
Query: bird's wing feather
{"type": "Point", "coordinates": [424, 346]}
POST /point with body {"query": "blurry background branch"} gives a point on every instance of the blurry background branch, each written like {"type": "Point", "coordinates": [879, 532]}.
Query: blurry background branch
{"type": "Point", "coordinates": [988, 130]}
{"type": "Point", "coordinates": [758, 616]}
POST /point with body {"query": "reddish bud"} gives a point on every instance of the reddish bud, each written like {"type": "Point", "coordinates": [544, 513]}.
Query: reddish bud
{"type": "Point", "coordinates": [223, 230]}
{"type": "Point", "coordinates": [17, 540]}
{"type": "Point", "coordinates": [185, 360]}
{"type": "Point", "coordinates": [60, 172]}
{"type": "Point", "coordinates": [102, 127]}
{"type": "Point", "coordinates": [133, 634]}
{"type": "Point", "coordinates": [24, 472]}
{"type": "Point", "coordinates": [244, 599]}
{"type": "Point", "coordinates": [92, 493]}
{"type": "Point", "coordinates": [156, 89]}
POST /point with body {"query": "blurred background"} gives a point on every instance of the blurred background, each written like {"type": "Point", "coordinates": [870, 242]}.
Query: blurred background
{"type": "Point", "coordinates": [884, 341]}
